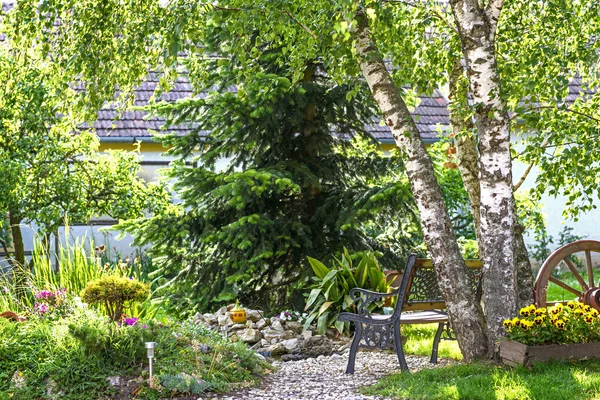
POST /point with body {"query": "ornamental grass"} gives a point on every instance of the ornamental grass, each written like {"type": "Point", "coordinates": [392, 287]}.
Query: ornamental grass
{"type": "Point", "coordinates": [574, 322]}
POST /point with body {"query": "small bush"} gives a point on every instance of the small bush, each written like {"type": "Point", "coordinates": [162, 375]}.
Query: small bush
{"type": "Point", "coordinates": [115, 293]}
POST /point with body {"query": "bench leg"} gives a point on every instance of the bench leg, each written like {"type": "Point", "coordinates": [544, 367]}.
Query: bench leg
{"type": "Point", "coordinates": [354, 348]}
{"type": "Point", "coordinates": [436, 343]}
{"type": "Point", "coordinates": [399, 350]}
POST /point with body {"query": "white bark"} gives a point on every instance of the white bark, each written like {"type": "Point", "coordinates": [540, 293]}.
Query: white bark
{"type": "Point", "coordinates": [465, 313]}
{"type": "Point", "coordinates": [477, 29]}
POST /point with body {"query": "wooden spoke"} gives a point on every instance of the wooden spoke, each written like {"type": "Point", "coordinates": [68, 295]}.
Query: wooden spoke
{"type": "Point", "coordinates": [565, 286]}
{"type": "Point", "coordinates": [552, 267]}
{"type": "Point", "coordinates": [575, 273]}
{"type": "Point", "coordinates": [588, 263]}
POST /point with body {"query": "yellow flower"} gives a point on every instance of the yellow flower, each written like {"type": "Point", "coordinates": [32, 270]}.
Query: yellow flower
{"type": "Point", "coordinates": [556, 309]}
{"type": "Point", "coordinates": [540, 311]}
{"type": "Point", "coordinates": [508, 323]}
{"type": "Point", "coordinates": [579, 311]}
{"type": "Point", "coordinates": [526, 311]}
{"type": "Point", "coordinates": [572, 304]}
{"type": "Point", "coordinates": [560, 324]}
{"type": "Point", "coordinates": [538, 320]}
{"type": "Point", "coordinates": [594, 313]}
{"type": "Point", "coordinates": [587, 308]}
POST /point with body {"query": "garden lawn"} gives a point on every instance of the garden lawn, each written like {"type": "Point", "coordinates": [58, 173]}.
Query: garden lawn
{"type": "Point", "coordinates": [552, 381]}
{"type": "Point", "coordinates": [419, 342]}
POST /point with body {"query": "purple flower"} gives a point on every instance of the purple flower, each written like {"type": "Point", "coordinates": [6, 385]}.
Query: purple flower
{"type": "Point", "coordinates": [44, 294]}
{"type": "Point", "coordinates": [144, 326]}
{"type": "Point", "coordinates": [61, 292]}
{"type": "Point", "coordinates": [41, 308]}
{"type": "Point", "coordinates": [131, 321]}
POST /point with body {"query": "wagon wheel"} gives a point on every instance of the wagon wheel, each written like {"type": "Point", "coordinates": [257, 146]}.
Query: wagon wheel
{"type": "Point", "coordinates": [560, 278]}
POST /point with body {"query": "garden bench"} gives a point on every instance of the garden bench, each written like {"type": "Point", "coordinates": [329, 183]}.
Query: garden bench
{"type": "Point", "coordinates": [419, 301]}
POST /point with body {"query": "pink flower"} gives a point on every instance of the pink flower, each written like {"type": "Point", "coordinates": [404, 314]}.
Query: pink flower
{"type": "Point", "coordinates": [41, 308]}
{"type": "Point", "coordinates": [131, 321]}
{"type": "Point", "coordinates": [5, 289]}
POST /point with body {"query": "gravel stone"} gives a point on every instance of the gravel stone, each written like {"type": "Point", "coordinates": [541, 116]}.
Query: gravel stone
{"type": "Point", "coordinates": [325, 379]}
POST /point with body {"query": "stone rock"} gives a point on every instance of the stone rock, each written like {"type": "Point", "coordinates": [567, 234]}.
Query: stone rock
{"type": "Point", "coordinates": [294, 326]}
{"type": "Point", "coordinates": [291, 344]}
{"type": "Point", "coordinates": [261, 323]}
{"type": "Point", "coordinates": [292, 357]}
{"type": "Point", "coordinates": [253, 315]}
{"type": "Point", "coordinates": [277, 349]}
{"type": "Point", "coordinates": [204, 348]}
{"type": "Point", "coordinates": [260, 357]}
{"type": "Point", "coordinates": [210, 319]}
{"type": "Point", "coordinates": [114, 380]}
{"type": "Point", "coordinates": [250, 335]}
{"type": "Point", "coordinates": [222, 311]}
{"type": "Point", "coordinates": [237, 327]}
{"type": "Point", "coordinates": [224, 320]}
{"type": "Point", "coordinates": [199, 318]}
{"type": "Point", "coordinates": [264, 342]}
{"type": "Point", "coordinates": [277, 325]}
{"type": "Point", "coordinates": [306, 334]}
{"type": "Point", "coordinates": [316, 346]}
{"type": "Point", "coordinates": [288, 335]}
{"type": "Point", "coordinates": [270, 334]}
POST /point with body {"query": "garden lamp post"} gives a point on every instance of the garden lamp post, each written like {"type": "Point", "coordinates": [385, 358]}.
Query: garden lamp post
{"type": "Point", "coordinates": [150, 353]}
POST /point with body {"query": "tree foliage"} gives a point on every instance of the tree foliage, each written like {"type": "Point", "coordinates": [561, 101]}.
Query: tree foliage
{"type": "Point", "coordinates": [302, 177]}
{"type": "Point", "coordinates": [51, 174]}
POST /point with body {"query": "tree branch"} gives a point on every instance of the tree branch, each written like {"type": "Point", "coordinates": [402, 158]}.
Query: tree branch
{"type": "Point", "coordinates": [529, 168]}
{"type": "Point", "coordinates": [306, 28]}
{"type": "Point", "coordinates": [435, 12]}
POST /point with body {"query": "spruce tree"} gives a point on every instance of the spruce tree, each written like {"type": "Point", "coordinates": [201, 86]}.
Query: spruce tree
{"type": "Point", "coordinates": [302, 177]}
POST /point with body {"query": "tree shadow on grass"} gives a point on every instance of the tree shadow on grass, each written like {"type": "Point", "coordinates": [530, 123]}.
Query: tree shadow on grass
{"type": "Point", "coordinates": [483, 381]}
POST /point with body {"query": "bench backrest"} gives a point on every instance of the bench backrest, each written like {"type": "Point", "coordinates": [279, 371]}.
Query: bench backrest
{"type": "Point", "coordinates": [423, 291]}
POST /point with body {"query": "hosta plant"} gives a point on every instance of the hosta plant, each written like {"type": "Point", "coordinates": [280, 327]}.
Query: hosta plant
{"type": "Point", "coordinates": [574, 322]}
{"type": "Point", "coordinates": [330, 293]}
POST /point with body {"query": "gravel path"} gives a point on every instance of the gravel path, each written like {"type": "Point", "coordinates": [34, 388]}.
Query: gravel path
{"type": "Point", "coordinates": [323, 378]}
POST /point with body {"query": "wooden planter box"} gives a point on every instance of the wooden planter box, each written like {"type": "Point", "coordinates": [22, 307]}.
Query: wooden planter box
{"type": "Point", "coordinates": [516, 353]}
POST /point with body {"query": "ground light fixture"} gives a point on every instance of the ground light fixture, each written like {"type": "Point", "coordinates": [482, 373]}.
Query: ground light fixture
{"type": "Point", "coordinates": [150, 353]}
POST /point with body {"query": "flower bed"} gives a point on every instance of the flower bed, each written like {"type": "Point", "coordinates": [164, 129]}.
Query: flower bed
{"type": "Point", "coordinates": [558, 332]}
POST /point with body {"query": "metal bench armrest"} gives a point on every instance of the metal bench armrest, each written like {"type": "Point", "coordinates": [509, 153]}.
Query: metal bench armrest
{"type": "Point", "coordinates": [364, 298]}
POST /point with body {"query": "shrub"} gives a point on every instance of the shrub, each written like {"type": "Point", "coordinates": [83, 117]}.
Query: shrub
{"type": "Point", "coordinates": [573, 323]}
{"type": "Point", "coordinates": [115, 293]}
{"type": "Point", "coordinates": [330, 293]}
{"type": "Point", "coordinates": [72, 357]}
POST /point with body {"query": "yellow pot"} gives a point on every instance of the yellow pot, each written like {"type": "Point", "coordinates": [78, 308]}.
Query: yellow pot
{"type": "Point", "coordinates": [238, 316]}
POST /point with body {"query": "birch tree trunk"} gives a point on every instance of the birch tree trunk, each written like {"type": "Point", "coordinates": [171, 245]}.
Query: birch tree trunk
{"type": "Point", "coordinates": [477, 24]}
{"type": "Point", "coordinates": [466, 144]}
{"type": "Point", "coordinates": [466, 157]}
{"type": "Point", "coordinates": [466, 315]}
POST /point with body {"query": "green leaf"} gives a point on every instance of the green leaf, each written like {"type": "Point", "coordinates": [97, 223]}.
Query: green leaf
{"type": "Point", "coordinates": [318, 267]}
{"type": "Point", "coordinates": [322, 323]}
{"type": "Point", "coordinates": [325, 306]}
{"type": "Point", "coordinates": [314, 294]}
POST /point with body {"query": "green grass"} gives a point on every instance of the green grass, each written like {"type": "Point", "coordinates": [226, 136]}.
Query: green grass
{"type": "Point", "coordinates": [552, 381]}
{"type": "Point", "coordinates": [420, 342]}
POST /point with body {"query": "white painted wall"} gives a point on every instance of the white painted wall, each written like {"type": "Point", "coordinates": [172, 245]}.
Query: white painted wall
{"type": "Point", "coordinates": [588, 225]}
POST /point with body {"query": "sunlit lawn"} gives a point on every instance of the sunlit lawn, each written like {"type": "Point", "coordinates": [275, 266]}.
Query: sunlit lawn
{"type": "Point", "coordinates": [553, 381]}
{"type": "Point", "coordinates": [556, 380]}
{"type": "Point", "coordinates": [420, 342]}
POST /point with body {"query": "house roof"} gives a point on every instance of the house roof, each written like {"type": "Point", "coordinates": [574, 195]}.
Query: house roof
{"type": "Point", "coordinates": [431, 115]}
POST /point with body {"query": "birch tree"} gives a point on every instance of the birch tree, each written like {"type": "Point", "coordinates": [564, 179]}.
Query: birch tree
{"type": "Point", "coordinates": [524, 50]}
